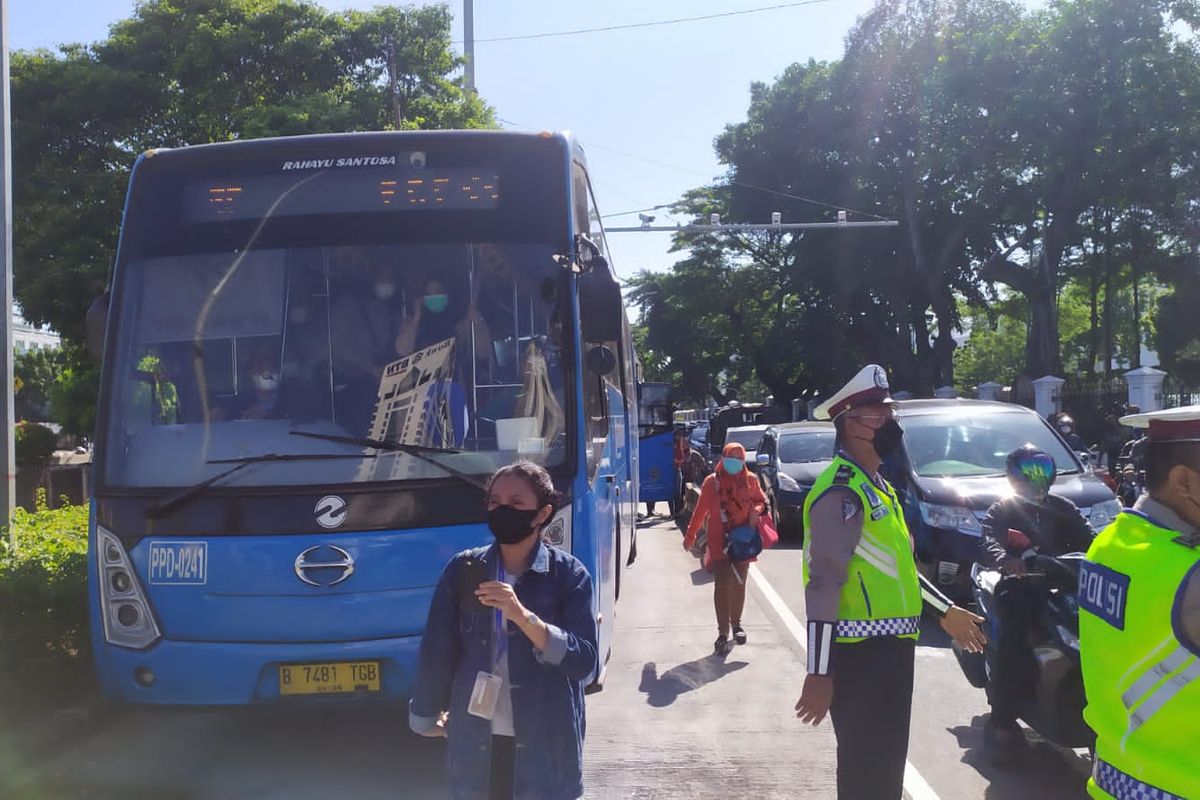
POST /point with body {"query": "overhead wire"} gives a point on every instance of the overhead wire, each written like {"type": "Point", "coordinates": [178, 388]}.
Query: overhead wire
{"type": "Point", "coordinates": [649, 24]}
{"type": "Point", "coordinates": [742, 184]}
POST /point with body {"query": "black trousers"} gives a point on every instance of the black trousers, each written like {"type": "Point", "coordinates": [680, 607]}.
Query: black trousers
{"type": "Point", "coordinates": [872, 704]}
{"type": "Point", "coordinates": [1014, 671]}
{"type": "Point", "coordinates": [504, 767]}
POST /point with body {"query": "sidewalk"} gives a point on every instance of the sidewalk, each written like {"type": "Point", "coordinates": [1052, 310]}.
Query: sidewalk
{"type": "Point", "coordinates": [674, 720]}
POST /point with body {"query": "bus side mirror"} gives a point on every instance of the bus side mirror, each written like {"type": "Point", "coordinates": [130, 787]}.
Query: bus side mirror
{"type": "Point", "coordinates": [590, 256]}
{"type": "Point", "coordinates": [601, 360]}
{"type": "Point", "coordinates": [600, 307]}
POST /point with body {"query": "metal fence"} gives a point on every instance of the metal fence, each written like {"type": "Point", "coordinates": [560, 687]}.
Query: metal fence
{"type": "Point", "coordinates": [1089, 400]}
{"type": "Point", "coordinates": [1177, 392]}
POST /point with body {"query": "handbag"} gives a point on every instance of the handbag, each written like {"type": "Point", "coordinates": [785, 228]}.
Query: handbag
{"type": "Point", "coordinates": [767, 531]}
{"type": "Point", "coordinates": [742, 544]}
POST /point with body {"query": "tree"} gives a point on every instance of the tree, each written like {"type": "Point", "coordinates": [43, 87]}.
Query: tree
{"type": "Point", "coordinates": [1020, 151]}
{"type": "Point", "coordinates": [1177, 339]}
{"type": "Point", "coordinates": [35, 372]}
{"type": "Point", "coordinates": [182, 72]}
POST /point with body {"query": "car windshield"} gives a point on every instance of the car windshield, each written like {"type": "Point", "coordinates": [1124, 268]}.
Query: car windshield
{"type": "Point", "coordinates": [970, 444]}
{"type": "Point", "coordinates": [226, 355]}
{"type": "Point", "coordinates": [802, 448]}
{"type": "Point", "coordinates": [747, 439]}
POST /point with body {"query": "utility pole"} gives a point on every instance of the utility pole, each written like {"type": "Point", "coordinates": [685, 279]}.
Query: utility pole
{"type": "Point", "coordinates": [8, 483]}
{"type": "Point", "coordinates": [469, 44]}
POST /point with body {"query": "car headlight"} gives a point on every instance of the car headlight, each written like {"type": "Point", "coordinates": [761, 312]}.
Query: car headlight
{"type": "Point", "coordinates": [956, 518]}
{"type": "Point", "coordinates": [788, 483]}
{"type": "Point", "coordinates": [128, 619]}
{"type": "Point", "coordinates": [558, 531]}
{"type": "Point", "coordinates": [1104, 513]}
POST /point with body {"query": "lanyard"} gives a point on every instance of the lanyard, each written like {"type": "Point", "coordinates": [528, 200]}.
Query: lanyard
{"type": "Point", "coordinates": [500, 626]}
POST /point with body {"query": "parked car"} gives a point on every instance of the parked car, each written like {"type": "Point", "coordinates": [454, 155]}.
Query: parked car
{"type": "Point", "coordinates": [790, 457]}
{"type": "Point", "coordinates": [951, 470]}
{"type": "Point", "coordinates": [748, 436]}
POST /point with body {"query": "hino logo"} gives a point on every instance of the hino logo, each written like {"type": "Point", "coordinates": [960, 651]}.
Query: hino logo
{"type": "Point", "coordinates": [330, 511]}
{"type": "Point", "coordinates": [342, 565]}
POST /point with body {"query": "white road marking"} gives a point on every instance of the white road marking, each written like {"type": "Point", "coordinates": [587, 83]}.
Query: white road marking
{"type": "Point", "coordinates": [915, 785]}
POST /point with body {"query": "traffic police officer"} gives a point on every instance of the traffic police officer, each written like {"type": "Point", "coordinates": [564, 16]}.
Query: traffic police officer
{"type": "Point", "coordinates": [864, 597]}
{"type": "Point", "coordinates": [1139, 625]}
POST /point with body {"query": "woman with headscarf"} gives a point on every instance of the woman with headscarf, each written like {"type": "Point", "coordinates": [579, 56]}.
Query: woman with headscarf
{"type": "Point", "coordinates": [729, 498]}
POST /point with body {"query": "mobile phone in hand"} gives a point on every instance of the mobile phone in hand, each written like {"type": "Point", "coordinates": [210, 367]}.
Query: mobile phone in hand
{"type": "Point", "coordinates": [472, 571]}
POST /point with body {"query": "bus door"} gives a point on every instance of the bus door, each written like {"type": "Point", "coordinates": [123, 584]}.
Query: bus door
{"type": "Point", "coordinates": [656, 446]}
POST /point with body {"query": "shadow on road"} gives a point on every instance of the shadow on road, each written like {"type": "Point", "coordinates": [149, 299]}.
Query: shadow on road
{"type": "Point", "coordinates": [1044, 770]}
{"type": "Point", "coordinates": [196, 754]}
{"type": "Point", "coordinates": [663, 690]}
{"type": "Point", "coordinates": [701, 577]}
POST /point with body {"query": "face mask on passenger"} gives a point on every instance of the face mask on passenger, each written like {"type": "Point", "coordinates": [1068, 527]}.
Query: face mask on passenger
{"type": "Point", "coordinates": [384, 290]}
{"type": "Point", "coordinates": [509, 524]}
{"type": "Point", "coordinates": [436, 302]}
{"type": "Point", "coordinates": [266, 381]}
{"type": "Point", "coordinates": [733, 465]}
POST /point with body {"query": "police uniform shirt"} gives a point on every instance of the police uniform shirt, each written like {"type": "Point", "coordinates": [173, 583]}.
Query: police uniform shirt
{"type": "Point", "coordinates": [1190, 602]}
{"type": "Point", "coordinates": [836, 527]}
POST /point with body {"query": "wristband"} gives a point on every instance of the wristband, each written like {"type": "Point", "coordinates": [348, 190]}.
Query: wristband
{"type": "Point", "coordinates": [820, 647]}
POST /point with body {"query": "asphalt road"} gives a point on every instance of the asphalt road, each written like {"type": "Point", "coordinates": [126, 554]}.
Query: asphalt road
{"type": "Point", "coordinates": [672, 721]}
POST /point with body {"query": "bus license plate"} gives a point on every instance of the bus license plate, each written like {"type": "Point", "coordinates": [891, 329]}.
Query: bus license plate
{"type": "Point", "coordinates": [338, 678]}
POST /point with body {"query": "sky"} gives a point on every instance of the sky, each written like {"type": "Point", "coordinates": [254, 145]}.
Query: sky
{"type": "Point", "coordinates": [646, 103]}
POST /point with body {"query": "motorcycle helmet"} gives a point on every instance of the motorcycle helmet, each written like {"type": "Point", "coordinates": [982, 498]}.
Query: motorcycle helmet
{"type": "Point", "coordinates": [1030, 471]}
{"type": "Point", "coordinates": [1066, 424]}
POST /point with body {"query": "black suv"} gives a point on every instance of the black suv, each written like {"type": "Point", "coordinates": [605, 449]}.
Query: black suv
{"type": "Point", "coordinates": [790, 457]}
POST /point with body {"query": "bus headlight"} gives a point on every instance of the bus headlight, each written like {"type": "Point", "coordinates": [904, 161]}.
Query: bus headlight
{"type": "Point", "coordinates": [558, 531]}
{"type": "Point", "coordinates": [128, 621]}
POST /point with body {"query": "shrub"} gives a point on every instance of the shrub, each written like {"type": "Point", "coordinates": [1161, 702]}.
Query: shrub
{"type": "Point", "coordinates": [43, 589]}
{"type": "Point", "coordinates": [34, 443]}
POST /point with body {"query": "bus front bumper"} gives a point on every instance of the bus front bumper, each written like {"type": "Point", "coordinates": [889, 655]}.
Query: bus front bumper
{"type": "Point", "coordinates": [175, 672]}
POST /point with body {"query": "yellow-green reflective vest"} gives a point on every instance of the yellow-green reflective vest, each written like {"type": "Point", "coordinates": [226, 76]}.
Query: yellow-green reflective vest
{"type": "Point", "coordinates": [1142, 682]}
{"type": "Point", "coordinates": [882, 595]}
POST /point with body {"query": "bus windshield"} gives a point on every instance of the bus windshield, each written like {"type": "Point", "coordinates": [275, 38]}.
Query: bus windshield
{"type": "Point", "coordinates": [452, 345]}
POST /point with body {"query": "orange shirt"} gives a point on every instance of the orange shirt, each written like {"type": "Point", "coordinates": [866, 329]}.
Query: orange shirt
{"type": "Point", "coordinates": [708, 510]}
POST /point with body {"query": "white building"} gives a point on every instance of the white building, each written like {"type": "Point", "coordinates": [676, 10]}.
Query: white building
{"type": "Point", "coordinates": [28, 337]}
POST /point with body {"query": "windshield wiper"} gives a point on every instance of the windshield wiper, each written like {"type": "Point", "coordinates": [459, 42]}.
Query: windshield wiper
{"type": "Point", "coordinates": [171, 502]}
{"type": "Point", "coordinates": [417, 451]}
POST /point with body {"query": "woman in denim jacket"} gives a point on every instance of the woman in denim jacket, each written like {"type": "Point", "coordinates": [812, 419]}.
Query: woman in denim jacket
{"type": "Point", "coordinates": [508, 648]}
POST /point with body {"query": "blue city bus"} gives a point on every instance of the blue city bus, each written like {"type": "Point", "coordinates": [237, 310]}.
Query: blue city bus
{"type": "Point", "coordinates": [656, 444]}
{"type": "Point", "coordinates": [317, 350]}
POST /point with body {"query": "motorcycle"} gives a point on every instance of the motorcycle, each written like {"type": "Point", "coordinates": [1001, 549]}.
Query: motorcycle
{"type": "Point", "coordinates": [1054, 706]}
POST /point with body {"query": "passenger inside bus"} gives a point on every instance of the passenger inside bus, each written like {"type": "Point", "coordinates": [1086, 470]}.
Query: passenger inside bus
{"type": "Point", "coordinates": [435, 314]}
{"type": "Point", "coordinates": [263, 400]}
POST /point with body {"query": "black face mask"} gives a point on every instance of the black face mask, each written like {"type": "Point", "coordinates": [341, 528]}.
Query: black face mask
{"type": "Point", "coordinates": [510, 525]}
{"type": "Point", "coordinates": [888, 439]}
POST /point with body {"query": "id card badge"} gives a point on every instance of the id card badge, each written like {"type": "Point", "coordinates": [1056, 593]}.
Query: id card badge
{"type": "Point", "coordinates": [485, 695]}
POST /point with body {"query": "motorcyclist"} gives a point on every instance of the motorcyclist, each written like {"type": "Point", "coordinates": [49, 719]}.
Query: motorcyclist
{"type": "Point", "coordinates": [1066, 426]}
{"type": "Point", "coordinates": [1031, 519]}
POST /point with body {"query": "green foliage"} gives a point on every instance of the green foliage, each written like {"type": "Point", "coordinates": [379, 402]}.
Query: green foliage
{"type": "Point", "coordinates": [182, 72]}
{"type": "Point", "coordinates": [73, 395]}
{"type": "Point", "coordinates": [1176, 338]}
{"type": "Point", "coordinates": [35, 371]}
{"type": "Point", "coordinates": [43, 589]}
{"type": "Point", "coordinates": [1044, 155]}
{"type": "Point", "coordinates": [34, 444]}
